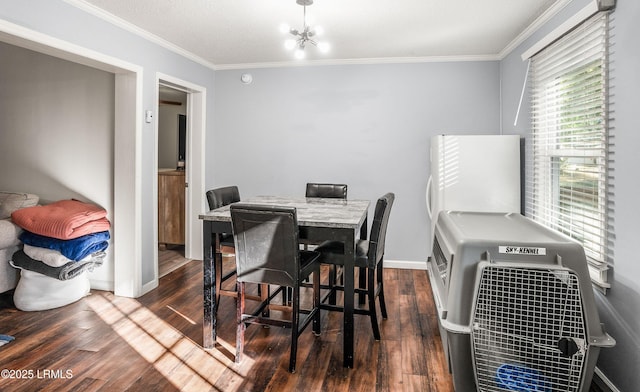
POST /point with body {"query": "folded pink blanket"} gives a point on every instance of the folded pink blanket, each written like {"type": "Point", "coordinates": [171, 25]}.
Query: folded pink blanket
{"type": "Point", "coordinates": [64, 219]}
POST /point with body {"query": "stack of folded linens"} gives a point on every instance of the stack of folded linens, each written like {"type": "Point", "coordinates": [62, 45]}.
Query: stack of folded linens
{"type": "Point", "coordinates": [62, 241]}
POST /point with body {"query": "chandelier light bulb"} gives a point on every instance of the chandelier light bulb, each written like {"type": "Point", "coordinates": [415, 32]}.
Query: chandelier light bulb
{"type": "Point", "coordinates": [303, 36]}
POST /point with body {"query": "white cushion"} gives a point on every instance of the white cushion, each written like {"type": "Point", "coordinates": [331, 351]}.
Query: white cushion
{"type": "Point", "coordinates": [10, 202]}
{"type": "Point", "coordinates": [9, 233]}
{"type": "Point", "coordinates": [39, 292]}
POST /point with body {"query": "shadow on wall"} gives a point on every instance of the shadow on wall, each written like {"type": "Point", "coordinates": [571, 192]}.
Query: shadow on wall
{"type": "Point", "coordinates": [617, 309]}
{"type": "Point", "coordinates": [48, 186]}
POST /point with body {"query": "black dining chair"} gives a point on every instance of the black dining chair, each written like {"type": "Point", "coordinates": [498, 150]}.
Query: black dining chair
{"type": "Point", "coordinates": [268, 251]}
{"type": "Point", "coordinates": [331, 191]}
{"type": "Point", "coordinates": [369, 256]}
{"type": "Point", "coordinates": [217, 198]}
{"type": "Point", "coordinates": [220, 197]}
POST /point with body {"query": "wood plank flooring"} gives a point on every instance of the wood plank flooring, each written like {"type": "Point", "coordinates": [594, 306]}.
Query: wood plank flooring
{"type": "Point", "coordinates": [170, 258]}
{"type": "Point", "coordinates": [153, 343]}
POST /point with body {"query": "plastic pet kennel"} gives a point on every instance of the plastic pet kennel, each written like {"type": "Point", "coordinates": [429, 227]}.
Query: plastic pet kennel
{"type": "Point", "coordinates": [515, 305]}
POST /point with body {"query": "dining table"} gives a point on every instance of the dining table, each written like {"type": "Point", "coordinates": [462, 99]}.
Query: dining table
{"type": "Point", "coordinates": [319, 219]}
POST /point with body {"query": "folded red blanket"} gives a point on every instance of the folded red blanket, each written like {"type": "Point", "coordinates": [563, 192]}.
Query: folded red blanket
{"type": "Point", "coordinates": [64, 219]}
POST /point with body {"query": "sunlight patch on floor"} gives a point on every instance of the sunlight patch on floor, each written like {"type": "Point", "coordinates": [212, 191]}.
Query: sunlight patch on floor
{"type": "Point", "coordinates": [181, 361]}
{"type": "Point", "coordinates": [174, 310]}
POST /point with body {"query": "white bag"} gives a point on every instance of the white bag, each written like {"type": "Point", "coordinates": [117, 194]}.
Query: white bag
{"type": "Point", "coordinates": [40, 292]}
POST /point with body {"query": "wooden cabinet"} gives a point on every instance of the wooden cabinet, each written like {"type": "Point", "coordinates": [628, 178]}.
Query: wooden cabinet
{"type": "Point", "coordinates": [171, 190]}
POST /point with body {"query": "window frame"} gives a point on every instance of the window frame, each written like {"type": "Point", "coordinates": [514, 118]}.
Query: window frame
{"type": "Point", "coordinates": [543, 198]}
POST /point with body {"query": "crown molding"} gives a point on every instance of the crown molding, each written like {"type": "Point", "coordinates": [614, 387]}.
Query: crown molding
{"type": "Point", "coordinates": [582, 15]}
{"type": "Point", "coordinates": [364, 61]}
{"type": "Point", "coordinates": [533, 27]}
{"type": "Point", "coordinates": [119, 22]}
{"type": "Point", "coordinates": [130, 27]}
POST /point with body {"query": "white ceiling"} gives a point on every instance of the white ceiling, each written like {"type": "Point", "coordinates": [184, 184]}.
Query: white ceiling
{"type": "Point", "coordinates": [245, 33]}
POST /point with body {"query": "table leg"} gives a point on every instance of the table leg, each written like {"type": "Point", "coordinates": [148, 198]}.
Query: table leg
{"type": "Point", "coordinates": [349, 294]}
{"type": "Point", "coordinates": [209, 285]}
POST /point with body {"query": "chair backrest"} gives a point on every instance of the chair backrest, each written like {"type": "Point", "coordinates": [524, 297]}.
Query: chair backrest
{"type": "Point", "coordinates": [333, 191]}
{"type": "Point", "coordinates": [266, 241]}
{"type": "Point", "coordinates": [379, 229]}
{"type": "Point", "coordinates": [222, 196]}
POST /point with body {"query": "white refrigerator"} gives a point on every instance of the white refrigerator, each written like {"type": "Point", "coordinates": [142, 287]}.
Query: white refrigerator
{"type": "Point", "coordinates": [473, 173]}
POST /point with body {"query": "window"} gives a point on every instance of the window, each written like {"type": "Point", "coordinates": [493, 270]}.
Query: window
{"type": "Point", "coordinates": [569, 189]}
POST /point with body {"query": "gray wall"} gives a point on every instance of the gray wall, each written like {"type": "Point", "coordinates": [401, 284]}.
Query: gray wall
{"type": "Point", "coordinates": [620, 308]}
{"type": "Point", "coordinates": [61, 20]}
{"type": "Point", "coordinates": [367, 126]}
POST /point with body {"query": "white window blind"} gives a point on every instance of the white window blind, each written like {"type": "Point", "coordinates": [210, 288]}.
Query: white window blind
{"type": "Point", "coordinates": [569, 189]}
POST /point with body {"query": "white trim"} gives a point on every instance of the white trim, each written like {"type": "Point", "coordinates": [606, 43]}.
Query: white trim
{"type": "Point", "coordinates": [102, 285]}
{"type": "Point", "coordinates": [363, 61]}
{"type": "Point", "coordinates": [195, 165]}
{"type": "Point", "coordinates": [195, 168]}
{"type": "Point", "coordinates": [150, 285]}
{"type": "Point", "coordinates": [533, 27]}
{"type": "Point", "coordinates": [559, 31]}
{"type": "Point", "coordinates": [197, 123]}
{"type": "Point", "coordinates": [33, 40]}
{"type": "Point", "coordinates": [406, 264]}
{"type": "Point", "coordinates": [154, 282]}
{"type": "Point", "coordinates": [605, 380]}
{"type": "Point", "coordinates": [598, 275]}
{"type": "Point", "coordinates": [127, 185]}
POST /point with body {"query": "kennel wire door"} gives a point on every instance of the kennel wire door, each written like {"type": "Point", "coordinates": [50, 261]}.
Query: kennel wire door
{"type": "Point", "coordinates": [528, 329]}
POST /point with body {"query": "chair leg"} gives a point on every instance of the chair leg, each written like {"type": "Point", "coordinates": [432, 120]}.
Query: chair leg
{"type": "Point", "coordinates": [316, 302]}
{"type": "Point", "coordinates": [240, 308]}
{"type": "Point", "coordinates": [295, 321]}
{"type": "Point", "coordinates": [362, 281]}
{"type": "Point", "coordinates": [332, 283]}
{"type": "Point", "coordinates": [371, 293]}
{"type": "Point", "coordinates": [306, 247]}
{"type": "Point", "coordinates": [286, 295]}
{"type": "Point", "coordinates": [264, 291]}
{"type": "Point", "coordinates": [383, 305]}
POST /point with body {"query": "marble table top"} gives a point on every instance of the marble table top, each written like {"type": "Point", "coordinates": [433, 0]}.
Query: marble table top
{"type": "Point", "coordinates": [311, 211]}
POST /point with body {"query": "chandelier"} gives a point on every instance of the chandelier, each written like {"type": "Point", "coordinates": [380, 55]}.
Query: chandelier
{"type": "Point", "coordinates": [304, 36]}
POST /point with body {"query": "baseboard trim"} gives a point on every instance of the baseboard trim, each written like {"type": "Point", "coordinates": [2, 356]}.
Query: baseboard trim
{"type": "Point", "coordinates": [405, 264]}
{"type": "Point", "coordinates": [149, 286]}
{"type": "Point", "coordinates": [102, 285]}
{"type": "Point", "coordinates": [603, 382]}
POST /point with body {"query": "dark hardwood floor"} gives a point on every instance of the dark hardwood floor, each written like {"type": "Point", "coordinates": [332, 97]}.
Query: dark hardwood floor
{"type": "Point", "coordinates": [170, 258]}
{"type": "Point", "coordinates": [153, 343]}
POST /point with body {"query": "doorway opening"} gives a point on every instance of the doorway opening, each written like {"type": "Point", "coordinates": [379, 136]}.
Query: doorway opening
{"type": "Point", "coordinates": [171, 152]}
{"type": "Point", "coordinates": [179, 179]}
